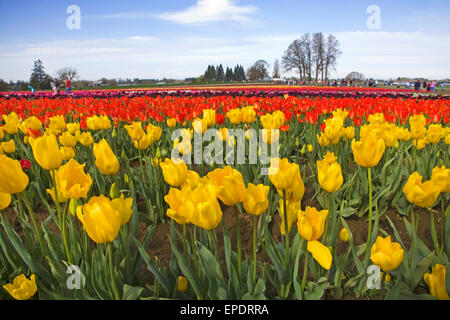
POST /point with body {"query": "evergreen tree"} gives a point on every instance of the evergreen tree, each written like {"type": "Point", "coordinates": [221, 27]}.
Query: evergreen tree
{"type": "Point", "coordinates": [229, 75]}
{"type": "Point", "coordinates": [236, 73]}
{"type": "Point", "coordinates": [39, 79]}
{"type": "Point", "coordinates": [220, 74]}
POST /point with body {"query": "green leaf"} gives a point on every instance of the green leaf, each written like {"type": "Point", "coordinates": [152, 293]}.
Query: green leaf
{"type": "Point", "coordinates": [422, 267]}
{"type": "Point", "coordinates": [158, 275]}
{"type": "Point", "coordinates": [131, 293]}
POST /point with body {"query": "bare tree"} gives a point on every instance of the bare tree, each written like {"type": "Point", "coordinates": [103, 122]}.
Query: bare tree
{"type": "Point", "coordinates": [307, 47]}
{"type": "Point", "coordinates": [64, 73]}
{"type": "Point", "coordinates": [318, 44]}
{"type": "Point", "coordinates": [276, 69]}
{"type": "Point", "coordinates": [331, 54]}
{"type": "Point", "coordinates": [258, 71]}
{"type": "Point", "coordinates": [294, 58]}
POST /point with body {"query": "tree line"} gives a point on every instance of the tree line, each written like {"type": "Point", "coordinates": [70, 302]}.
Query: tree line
{"type": "Point", "coordinates": [218, 74]}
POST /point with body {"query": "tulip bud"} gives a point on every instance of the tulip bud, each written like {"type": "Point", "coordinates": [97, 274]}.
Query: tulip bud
{"type": "Point", "coordinates": [297, 142]}
{"type": "Point", "coordinates": [125, 178]}
{"type": "Point", "coordinates": [73, 204]}
{"type": "Point", "coordinates": [163, 152]}
{"type": "Point", "coordinates": [123, 155]}
{"type": "Point", "coordinates": [114, 133]}
{"type": "Point", "coordinates": [114, 191]}
{"type": "Point", "coordinates": [158, 153]}
{"type": "Point", "coordinates": [182, 284]}
{"type": "Point", "coordinates": [344, 235]}
{"type": "Point", "coordinates": [302, 151]}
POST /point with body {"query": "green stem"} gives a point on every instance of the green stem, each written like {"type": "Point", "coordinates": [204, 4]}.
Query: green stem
{"type": "Point", "coordinates": [33, 219]}
{"type": "Point", "coordinates": [443, 223]}
{"type": "Point", "coordinates": [64, 235]}
{"type": "Point", "coordinates": [369, 230]}
{"type": "Point", "coordinates": [58, 208]}
{"type": "Point", "coordinates": [239, 245]}
{"type": "Point", "coordinates": [305, 272]}
{"type": "Point", "coordinates": [286, 229]}
{"type": "Point", "coordinates": [111, 272]}
{"type": "Point", "coordinates": [255, 227]}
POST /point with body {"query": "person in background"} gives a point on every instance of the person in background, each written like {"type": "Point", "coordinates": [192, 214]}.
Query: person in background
{"type": "Point", "coordinates": [429, 86]}
{"type": "Point", "coordinates": [417, 85]}
{"type": "Point", "coordinates": [407, 85]}
{"type": "Point", "coordinates": [68, 86]}
{"type": "Point", "coordinates": [33, 90]}
{"type": "Point", "coordinates": [433, 86]}
{"type": "Point", "coordinates": [424, 85]}
{"type": "Point", "coordinates": [443, 87]}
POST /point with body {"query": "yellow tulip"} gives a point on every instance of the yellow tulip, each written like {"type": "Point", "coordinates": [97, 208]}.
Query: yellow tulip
{"type": "Point", "coordinates": [329, 174]}
{"type": "Point", "coordinates": [46, 151]}
{"type": "Point", "coordinates": [143, 143]}
{"type": "Point", "coordinates": [182, 284]}
{"type": "Point", "coordinates": [320, 253]}
{"type": "Point", "coordinates": [229, 184]}
{"type": "Point", "coordinates": [344, 235]}
{"type": "Point", "coordinates": [284, 176]}
{"type": "Point", "coordinates": [67, 140]}
{"type": "Point", "coordinates": [12, 178]}
{"type": "Point", "coordinates": [154, 133]}
{"type": "Point", "coordinates": [340, 113]}
{"type": "Point", "coordinates": [198, 206]}
{"type": "Point", "coordinates": [22, 288]}
{"type": "Point", "coordinates": [57, 123]}
{"type": "Point", "coordinates": [100, 219]}
{"type": "Point", "coordinates": [5, 200]}
{"type": "Point", "coordinates": [171, 122]}
{"type": "Point", "coordinates": [84, 138]}
{"type": "Point", "coordinates": [419, 143]}
{"type": "Point", "coordinates": [72, 181]}
{"type": "Point", "coordinates": [441, 177]}
{"type": "Point", "coordinates": [292, 210]}
{"type": "Point", "coordinates": [73, 128]}
{"type": "Point", "coordinates": [334, 129]}
{"type": "Point", "coordinates": [248, 114]}
{"type": "Point", "coordinates": [436, 282]}
{"type": "Point", "coordinates": [8, 147]}
{"type": "Point", "coordinates": [67, 153]}
{"type": "Point", "coordinates": [310, 148]}
{"type": "Point", "coordinates": [386, 254]}
{"type": "Point", "coordinates": [376, 118]}
{"type": "Point", "coordinates": [323, 141]}
{"type": "Point", "coordinates": [311, 223]}
{"type": "Point", "coordinates": [199, 126]}
{"type": "Point", "coordinates": [434, 133]}
{"type": "Point", "coordinates": [368, 152]}
{"type": "Point", "coordinates": [417, 124]}
{"type": "Point", "coordinates": [421, 194]}
{"type": "Point", "coordinates": [175, 173]}
{"type": "Point", "coordinates": [135, 131]}
{"type": "Point", "coordinates": [11, 123]}
{"type": "Point", "coordinates": [389, 134]}
{"type": "Point", "coordinates": [278, 118]}
{"type": "Point", "coordinates": [255, 200]}
{"type": "Point", "coordinates": [235, 116]}
{"type": "Point", "coordinates": [105, 159]}
{"type": "Point", "coordinates": [209, 116]}
{"type": "Point", "coordinates": [268, 122]}
{"type": "Point", "coordinates": [124, 207]}
{"type": "Point", "coordinates": [30, 123]}
{"type": "Point", "coordinates": [192, 179]}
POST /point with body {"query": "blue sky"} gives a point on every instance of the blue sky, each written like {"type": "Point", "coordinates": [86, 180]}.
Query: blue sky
{"type": "Point", "coordinates": [179, 38]}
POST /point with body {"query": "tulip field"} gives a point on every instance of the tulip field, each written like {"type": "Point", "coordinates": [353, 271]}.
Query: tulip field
{"type": "Point", "coordinates": [298, 193]}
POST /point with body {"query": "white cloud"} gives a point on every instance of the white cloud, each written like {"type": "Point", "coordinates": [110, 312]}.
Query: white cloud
{"type": "Point", "coordinates": [209, 11]}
